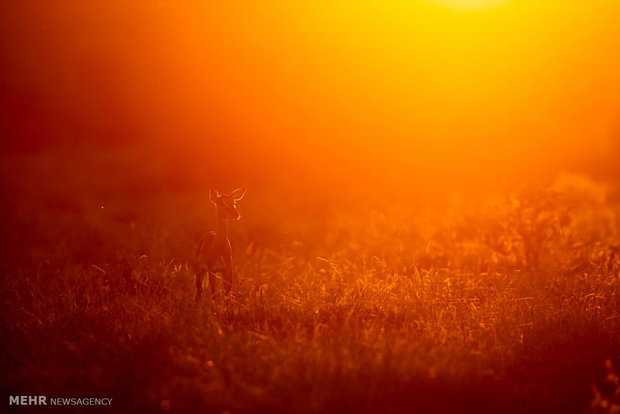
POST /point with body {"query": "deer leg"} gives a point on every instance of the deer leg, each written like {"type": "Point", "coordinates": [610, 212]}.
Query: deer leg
{"type": "Point", "coordinates": [199, 277]}
{"type": "Point", "coordinates": [212, 284]}
{"type": "Point", "coordinates": [228, 280]}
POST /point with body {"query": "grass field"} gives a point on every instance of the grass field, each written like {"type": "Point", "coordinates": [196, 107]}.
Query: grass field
{"type": "Point", "coordinates": [505, 303]}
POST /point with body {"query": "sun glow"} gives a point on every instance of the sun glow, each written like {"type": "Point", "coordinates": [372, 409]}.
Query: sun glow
{"type": "Point", "coordinates": [470, 5]}
{"type": "Point", "coordinates": [437, 88]}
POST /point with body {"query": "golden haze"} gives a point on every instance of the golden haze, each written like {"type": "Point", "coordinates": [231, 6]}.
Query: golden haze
{"type": "Point", "coordinates": [516, 90]}
{"type": "Point", "coordinates": [430, 221]}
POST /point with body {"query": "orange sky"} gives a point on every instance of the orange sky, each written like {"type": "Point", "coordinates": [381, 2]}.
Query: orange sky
{"type": "Point", "coordinates": [451, 88]}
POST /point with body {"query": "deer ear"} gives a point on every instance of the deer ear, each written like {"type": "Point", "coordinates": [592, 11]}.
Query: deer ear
{"type": "Point", "coordinates": [238, 193]}
{"type": "Point", "coordinates": [213, 195]}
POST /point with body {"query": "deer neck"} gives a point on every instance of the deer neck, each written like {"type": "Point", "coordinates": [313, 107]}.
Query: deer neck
{"type": "Point", "coordinates": [221, 230]}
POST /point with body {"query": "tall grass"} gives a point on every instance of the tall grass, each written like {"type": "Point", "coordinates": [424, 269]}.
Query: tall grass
{"type": "Point", "coordinates": [505, 305]}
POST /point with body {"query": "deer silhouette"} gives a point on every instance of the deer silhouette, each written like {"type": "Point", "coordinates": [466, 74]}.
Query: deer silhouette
{"type": "Point", "coordinates": [213, 252]}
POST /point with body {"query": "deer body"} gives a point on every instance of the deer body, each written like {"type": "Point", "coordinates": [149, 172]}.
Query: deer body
{"type": "Point", "coordinates": [213, 252]}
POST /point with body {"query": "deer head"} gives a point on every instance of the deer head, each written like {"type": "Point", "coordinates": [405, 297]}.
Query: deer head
{"type": "Point", "coordinates": [226, 204]}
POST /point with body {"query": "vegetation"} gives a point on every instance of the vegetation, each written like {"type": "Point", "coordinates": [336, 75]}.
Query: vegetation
{"type": "Point", "coordinates": [504, 304]}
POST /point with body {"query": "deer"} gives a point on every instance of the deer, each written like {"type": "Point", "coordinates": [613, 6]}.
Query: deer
{"type": "Point", "coordinates": [213, 252]}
